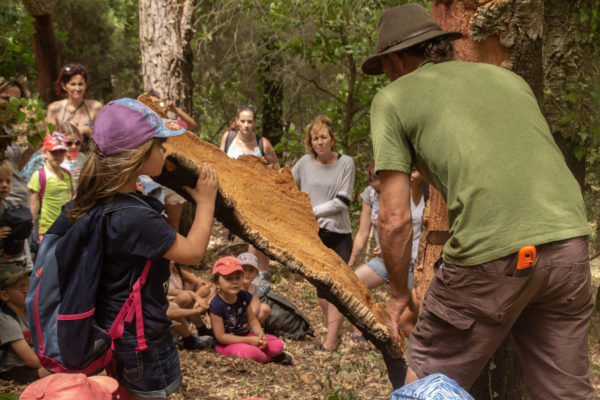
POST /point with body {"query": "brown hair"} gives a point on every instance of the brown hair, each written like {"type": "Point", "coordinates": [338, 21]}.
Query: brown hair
{"type": "Point", "coordinates": [436, 50]}
{"type": "Point", "coordinates": [68, 129]}
{"type": "Point", "coordinates": [322, 121]}
{"type": "Point", "coordinates": [65, 75]}
{"type": "Point", "coordinates": [19, 82]}
{"type": "Point", "coordinates": [102, 176]}
{"type": "Point", "coordinates": [5, 166]}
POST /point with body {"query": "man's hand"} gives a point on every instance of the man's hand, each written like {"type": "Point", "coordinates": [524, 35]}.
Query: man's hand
{"type": "Point", "coordinates": [397, 305]}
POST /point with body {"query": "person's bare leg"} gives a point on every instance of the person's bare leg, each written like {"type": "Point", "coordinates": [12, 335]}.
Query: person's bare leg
{"type": "Point", "coordinates": [335, 319]}
{"type": "Point", "coordinates": [370, 277]}
{"type": "Point", "coordinates": [263, 312]}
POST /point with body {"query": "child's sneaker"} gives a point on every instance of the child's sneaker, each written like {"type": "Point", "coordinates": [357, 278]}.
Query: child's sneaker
{"type": "Point", "coordinates": [194, 342]}
{"type": "Point", "coordinates": [283, 359]}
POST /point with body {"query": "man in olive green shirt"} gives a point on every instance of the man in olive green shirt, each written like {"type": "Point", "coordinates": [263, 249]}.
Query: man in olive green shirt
{"type": "Point", "coordinates": [475, 131]}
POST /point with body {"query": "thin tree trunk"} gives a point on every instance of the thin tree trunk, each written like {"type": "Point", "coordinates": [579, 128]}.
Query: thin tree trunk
{"type": "Point", "coordinates": [165, 34]}
{"type": "Point", "coordinates": [44, 46]}
{"type": "Point", "coordinates": [272, 118]}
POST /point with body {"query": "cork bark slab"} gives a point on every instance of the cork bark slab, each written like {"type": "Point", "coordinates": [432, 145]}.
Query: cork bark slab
{"type": "Point", "coordinates": [262, 204]}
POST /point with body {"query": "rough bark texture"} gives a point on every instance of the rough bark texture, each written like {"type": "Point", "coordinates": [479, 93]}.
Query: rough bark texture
{"type": "Point", "coordinates": [567, 61]}
{"type": "Point", "coordinates": [505, 33]}
{"type": "Point", "coordinates": [44, 46]}
{"type": "Point", "coordinates": [281, 224]}
{"type": "Point", "coordinates": [165, 34]}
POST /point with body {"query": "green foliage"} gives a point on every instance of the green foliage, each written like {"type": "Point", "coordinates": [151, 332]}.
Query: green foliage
{"type": "Point", "coordinates": [103, 35]}
{"type": "Point", "coordinates": [9, 396]}
{"type": "Point", "coordinates": [16, 54]}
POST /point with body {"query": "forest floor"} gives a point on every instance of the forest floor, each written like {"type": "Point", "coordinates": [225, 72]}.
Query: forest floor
{"type": "Point", "coordinates": [355, 371]}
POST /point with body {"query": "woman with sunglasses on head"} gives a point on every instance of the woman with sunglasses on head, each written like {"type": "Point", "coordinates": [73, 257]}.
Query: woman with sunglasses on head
{"type": "Point", "coordinates": [72, 82]}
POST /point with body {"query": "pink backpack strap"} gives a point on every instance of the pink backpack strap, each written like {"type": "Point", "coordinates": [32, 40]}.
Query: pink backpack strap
{"type": "Point", "coordinates": [132, 308]}
{"type": "Point", "coordinates": [42, 172]}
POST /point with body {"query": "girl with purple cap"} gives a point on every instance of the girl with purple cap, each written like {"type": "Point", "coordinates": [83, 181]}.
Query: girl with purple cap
{"type": "Point", "coordinates": [127, 142]}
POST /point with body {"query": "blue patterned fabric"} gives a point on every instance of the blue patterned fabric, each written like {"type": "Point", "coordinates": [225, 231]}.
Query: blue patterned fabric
{"type": "Point", "coordinates": [432, 387]}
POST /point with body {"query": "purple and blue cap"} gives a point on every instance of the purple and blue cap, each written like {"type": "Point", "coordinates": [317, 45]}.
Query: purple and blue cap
{"type": "Point", "coordinates": [124, 124]}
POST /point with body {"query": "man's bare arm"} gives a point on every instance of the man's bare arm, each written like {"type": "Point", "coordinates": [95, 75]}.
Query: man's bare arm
{"type": "Point", "coordinates": [394, 225]}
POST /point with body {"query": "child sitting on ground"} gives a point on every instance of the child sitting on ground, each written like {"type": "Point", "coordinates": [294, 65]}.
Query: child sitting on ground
{"type": "Point", "coordinates": [188, 298]}
{"type": "Point", "coordinates": [18, 362]}
{"type": "Point", "coordinates": [250, 265]}
{"type": "Point", "coordinates": [235, 324]}
{"type": "Point", "coordinates": [51, 187]}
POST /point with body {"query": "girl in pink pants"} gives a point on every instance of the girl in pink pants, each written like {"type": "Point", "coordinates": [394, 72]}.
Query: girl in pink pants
{"type": "Point", "coordinates": [234, 324]}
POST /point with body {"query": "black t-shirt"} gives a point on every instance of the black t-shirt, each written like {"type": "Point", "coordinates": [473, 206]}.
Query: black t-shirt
{"type": "Point", "coordinates": [134, 235]}
{"type": "Point", "coordinates": [234, 315]}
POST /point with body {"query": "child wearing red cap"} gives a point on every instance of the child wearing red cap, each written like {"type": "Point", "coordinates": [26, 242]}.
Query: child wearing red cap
{"type": "Point", "coordinates": [50, 191]}
{"type": "Point", "coordinates": [235, 324]}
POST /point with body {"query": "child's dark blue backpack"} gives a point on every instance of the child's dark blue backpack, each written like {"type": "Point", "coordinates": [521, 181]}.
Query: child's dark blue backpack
{"type": "Point", "coordinates": [62, 294]}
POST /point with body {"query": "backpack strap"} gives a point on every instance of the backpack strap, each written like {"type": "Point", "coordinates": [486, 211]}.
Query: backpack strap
{"type": "Point", "coordinates": [230, 136]}
{"type": "Point", "coordinates": [132, 308]}
{"type": "Point", "coordinates": [133, 305]}
{"type": "Point", "coordinates": [261, 145]}
{"type": "Point", "coordinates": [42, 172]}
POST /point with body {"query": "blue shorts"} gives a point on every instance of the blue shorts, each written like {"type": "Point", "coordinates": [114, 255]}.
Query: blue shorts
{"type": "Point", "coordinates": [377, 265]}
{"type": "Point", "coordinates": [152, 373]}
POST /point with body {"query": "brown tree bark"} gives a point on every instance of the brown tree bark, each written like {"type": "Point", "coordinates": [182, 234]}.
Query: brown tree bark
{"type": "Point", "coordinates": [508, 34]}
{"type": "Point", "coordinates": [165, 34]}
{"type": "Point", "coordinates": [567, 63]}
{"type": "Point", "coordinates": [44, 46]}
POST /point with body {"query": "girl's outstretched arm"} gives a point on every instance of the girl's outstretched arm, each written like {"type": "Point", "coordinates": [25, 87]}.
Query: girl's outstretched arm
{"type": "Point", "coordinates": [191, 249]}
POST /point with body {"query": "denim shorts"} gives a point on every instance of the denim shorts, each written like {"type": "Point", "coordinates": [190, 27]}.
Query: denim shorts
{"type": "Point", "coordinates": [377, 265]}
{"type": "Point", "coordinates": [152, 373]}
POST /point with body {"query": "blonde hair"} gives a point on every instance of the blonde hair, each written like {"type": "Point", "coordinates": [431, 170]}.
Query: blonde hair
{"type": "Point", "coordinates": [322, 121]}
{"type": "Point", "coordinates": [102, 176]}
{"type": "Point", "coordinates": [68, 129]}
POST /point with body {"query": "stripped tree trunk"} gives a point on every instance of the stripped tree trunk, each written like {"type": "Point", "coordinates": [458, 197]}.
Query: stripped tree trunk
{"type": "Point", "coordinates": [505, 33]}
{"type": "Point", "coordinates": [165, 34]}
{"type": "Point", "coordinates": [44, 46]}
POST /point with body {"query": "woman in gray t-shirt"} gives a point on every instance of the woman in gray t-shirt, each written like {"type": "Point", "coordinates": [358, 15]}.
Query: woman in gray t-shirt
{"type": "Point", "coordinates": [328, 178]}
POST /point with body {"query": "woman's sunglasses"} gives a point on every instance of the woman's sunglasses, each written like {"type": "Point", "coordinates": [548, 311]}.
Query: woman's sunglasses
{"type": "Point", "coordinates": [71, 143]}
{"type": "Point", "coordinates": [74, 67]}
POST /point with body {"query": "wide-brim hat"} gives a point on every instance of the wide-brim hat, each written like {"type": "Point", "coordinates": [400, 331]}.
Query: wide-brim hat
{"type": "Point", "coordinates": [125, 123]}
{"type": "Point", "coordinates": [403, 27]}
